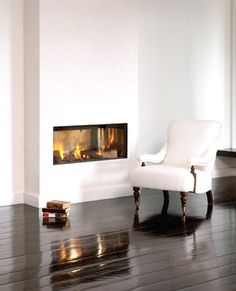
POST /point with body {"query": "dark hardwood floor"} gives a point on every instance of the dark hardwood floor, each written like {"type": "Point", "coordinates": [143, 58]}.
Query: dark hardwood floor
{"type": "Point", "coordinates": [107, 246]}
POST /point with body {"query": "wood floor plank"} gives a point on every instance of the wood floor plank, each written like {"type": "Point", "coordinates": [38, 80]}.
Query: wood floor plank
{"type": "Point", "coordinates": [107, 247]}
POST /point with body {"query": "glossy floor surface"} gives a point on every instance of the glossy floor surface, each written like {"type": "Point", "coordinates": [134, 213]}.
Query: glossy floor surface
{"type": "Point", "coordinates": [107, 246]}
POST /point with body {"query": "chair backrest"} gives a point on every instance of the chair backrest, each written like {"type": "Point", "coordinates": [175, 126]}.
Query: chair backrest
{"type": "Point", "coordinates": [191, 138]}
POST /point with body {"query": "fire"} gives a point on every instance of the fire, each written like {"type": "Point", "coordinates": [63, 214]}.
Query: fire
{"type": "Point", "coordinates": [59, 147]}
{"type": "Point", "coordinates": [111, 136]}
{"type": "Point", "coordinates": [77, 152]}
{"type": "Point", "coordinates": [74, 251]}
{"type": "Point", "coordinates": [63, 255]}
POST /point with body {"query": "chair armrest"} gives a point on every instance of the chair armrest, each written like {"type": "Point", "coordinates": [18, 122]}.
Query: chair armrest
{"type": "Point", "coordinates": [204, 159]}
{"type": "Point", "coordinates": [155, 158]}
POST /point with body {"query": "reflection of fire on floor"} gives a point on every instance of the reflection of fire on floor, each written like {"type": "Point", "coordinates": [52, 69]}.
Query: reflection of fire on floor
{"type": "Point", "coordinates": [85, 259]}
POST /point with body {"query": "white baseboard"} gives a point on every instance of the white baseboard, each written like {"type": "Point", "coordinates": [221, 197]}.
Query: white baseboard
{"type": "Point", "coordinates": [31, 199]}
{"type": "Point", "coordinates": [106, 193]}
{"type": "Point", "coordinates": [15, 198]}
{"type": "Point", "coordinates": [224, 172]}
{"type": "Point", "coordinates": [233, 171]}
{"type": "Point", "coordinates": [93, 194]}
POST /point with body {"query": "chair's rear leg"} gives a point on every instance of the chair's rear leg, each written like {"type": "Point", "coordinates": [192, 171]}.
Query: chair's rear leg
{"type": "Point", "coordinates": [210, 199]}
{"type": "Point", "coordinates": [165, 203]}
{"type": "Point", "coordinates": [136, 196]}
{"type": "Point", "coordinates": [209, 211]}
{"type": "Point", "coordinates": [166, 194]}
{"type": "Point", "coordinates": [183, 201]}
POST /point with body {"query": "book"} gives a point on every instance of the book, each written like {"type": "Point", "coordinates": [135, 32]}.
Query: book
{"type": "Point", "coordinates": [63, 225]}
{"type": "Point", "coordinates": [58, 204]}
{"type": "Point", "coordinates": [56, 210]}
{"type": "Point", "coordinates": [58, 226]}
{"type": "Point", "coordinates": [54, 221]}
{"type": "Point", "coordinates": [55, 215]}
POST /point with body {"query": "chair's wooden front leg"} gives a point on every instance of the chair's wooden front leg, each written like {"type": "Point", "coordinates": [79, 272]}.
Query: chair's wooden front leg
{"type": "Point", "coordinates": [136, 196]}
{"type": "Point", "coordinates": [210, 199]}
{"type": "Point", "coordinates": [183, 201]}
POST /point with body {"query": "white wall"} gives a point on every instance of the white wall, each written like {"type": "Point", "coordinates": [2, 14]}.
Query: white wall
{"type": "Point", "coordinates": [233, 72]}
{"type": "Point", "coordinates": [183, 51]}
{"type": "Point", "coordinates": [11, 102]}
{"type": "Point", "coordinates": [31, 100]}
{"type": "Point", "coordinates": [88, 75]}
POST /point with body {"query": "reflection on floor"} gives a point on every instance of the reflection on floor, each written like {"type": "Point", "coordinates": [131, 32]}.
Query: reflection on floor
{"type": "Point", "coordinates": [109, 246]}
{"type": "Point", "coordinates": [90, 258]}
{"type": "Point", "coordinates": [170, 224]}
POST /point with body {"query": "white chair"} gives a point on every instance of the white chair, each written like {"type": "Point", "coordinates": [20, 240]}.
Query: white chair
{"type": "Point", "coordinates": [184, 163]}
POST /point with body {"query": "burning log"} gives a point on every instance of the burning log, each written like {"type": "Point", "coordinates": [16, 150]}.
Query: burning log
{"type": "Point", "coordinates": [90, 154]}
{"type": "Point", "coordinates": [57, 157]}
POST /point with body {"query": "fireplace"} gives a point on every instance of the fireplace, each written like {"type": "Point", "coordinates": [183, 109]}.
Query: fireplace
{"type": "Point", "coordinates": [84, 143]}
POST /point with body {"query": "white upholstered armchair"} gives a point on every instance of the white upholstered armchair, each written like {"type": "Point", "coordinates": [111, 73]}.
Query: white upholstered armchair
{"type": "Point", "coordinates": [184, 163]}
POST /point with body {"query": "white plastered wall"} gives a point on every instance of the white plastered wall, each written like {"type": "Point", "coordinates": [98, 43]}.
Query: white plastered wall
{"type": "Point", "coordinates": [11, 102]}
{"type": "Point", "coordinates": [31, 101]}
{"type": "Point", "coordinates": [184, 67]}
{"type": "Point", "coordinates": [88, 75]}
{"type": "Point", "coordinates": [182, 59]}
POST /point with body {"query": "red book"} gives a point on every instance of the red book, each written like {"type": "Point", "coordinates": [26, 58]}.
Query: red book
{"type": "Point", "coordinates": [55, 210]}
{"type": "Point", "coordinates": [55, 215]}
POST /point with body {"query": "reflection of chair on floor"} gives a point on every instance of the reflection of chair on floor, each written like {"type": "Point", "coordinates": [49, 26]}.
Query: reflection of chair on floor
{"type": "Point", "coordinates": [167, 224]}
{"type": "Point", "coordinates": [184, 164]}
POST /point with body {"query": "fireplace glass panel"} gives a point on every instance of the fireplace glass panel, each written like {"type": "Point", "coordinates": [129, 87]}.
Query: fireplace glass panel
{"type": "Point", "coordinates": [74, 144]}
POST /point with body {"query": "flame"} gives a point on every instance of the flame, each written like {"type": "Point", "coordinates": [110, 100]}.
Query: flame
{"type": "Point", "coordinates": [101, 150]}
{"type": "Point", "coordinates": [63, 255]}
{"type": "Point", "coordinates": [100, 246]}
{"type": "Point", "coordinates": [59, 147]}
{"type": "Point", "coordinates": [74, 250]}
{"type": "Point", "coordinates": [111, 136]}
{"type": "Point", "coordinates": [77, 152]}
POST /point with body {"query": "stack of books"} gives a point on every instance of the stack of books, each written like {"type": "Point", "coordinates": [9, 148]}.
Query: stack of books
{"type": "Point", "coordinates": [56, 213]}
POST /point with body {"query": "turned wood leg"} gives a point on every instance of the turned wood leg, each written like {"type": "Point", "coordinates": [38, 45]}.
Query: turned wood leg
{"type": "Point", "coordinates": [165, 203]}
{"type": "Point", "coordinates": [166, 194]}
{"type": "Point", "coordinates": [136, 196]}
{"type": "Point", "coordinates": [165, 207]}
{"type": "Point", "coordinates": [183, 201]}
{"type": "Point", "coordinates": [209, 197]}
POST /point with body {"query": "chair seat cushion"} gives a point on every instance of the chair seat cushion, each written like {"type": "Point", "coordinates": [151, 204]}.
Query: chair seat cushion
{"type": "Point", "coordinates": [165, 177]}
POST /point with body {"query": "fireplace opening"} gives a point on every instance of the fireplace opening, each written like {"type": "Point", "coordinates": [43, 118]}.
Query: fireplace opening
{"type": "Point", "coordinates": [83, 143]}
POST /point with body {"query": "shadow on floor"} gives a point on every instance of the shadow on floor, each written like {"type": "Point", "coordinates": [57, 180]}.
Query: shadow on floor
{"type": "Point", "coordinates": [170, 224]}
